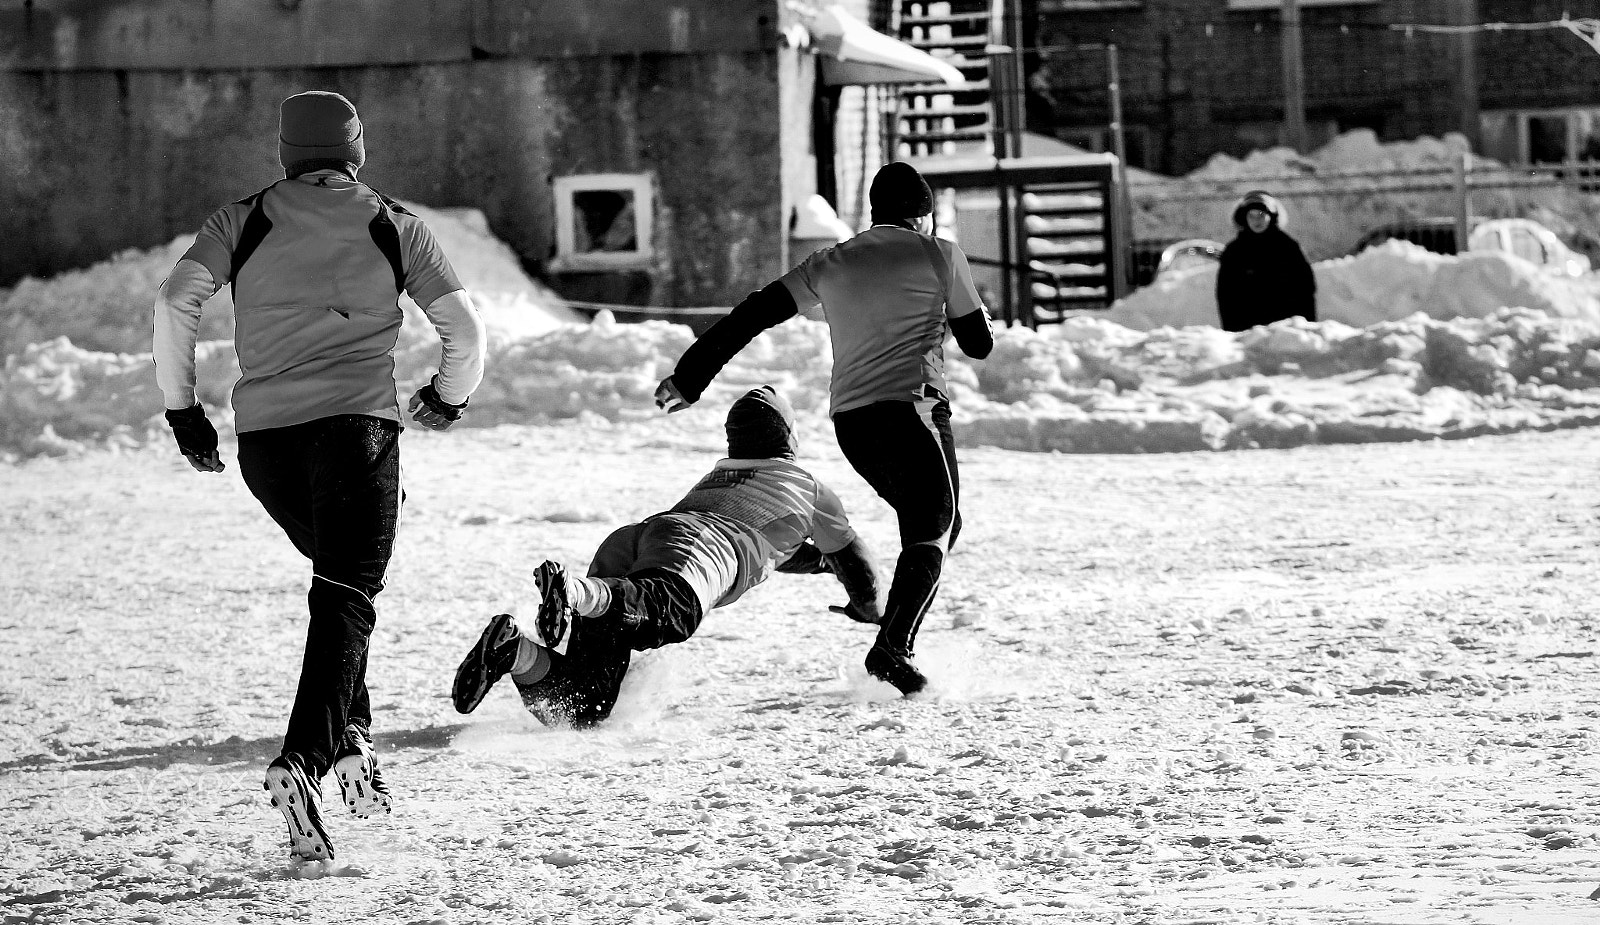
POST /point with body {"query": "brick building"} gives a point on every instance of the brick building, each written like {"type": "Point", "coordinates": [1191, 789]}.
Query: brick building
{"type": "Point", "coordinates": [1205, 76]}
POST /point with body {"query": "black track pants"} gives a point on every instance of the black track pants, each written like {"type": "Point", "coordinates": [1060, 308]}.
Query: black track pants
{"type": "Point", "coordinates": [333, 485]}
{"type": "Point", "coordinates": [907, 453]}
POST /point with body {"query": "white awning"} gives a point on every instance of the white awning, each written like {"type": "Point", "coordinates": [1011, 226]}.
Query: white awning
{"type": "Point", "coordinates": [852, 52]}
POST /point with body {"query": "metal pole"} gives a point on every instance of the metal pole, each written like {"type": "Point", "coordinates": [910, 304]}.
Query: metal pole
{"type": "Point", "coordinates": [1120, 209]}
{"type": "Point", "coordinates": [1469, 122]}
{"type": "Point", "coordinates": [1008, 253]}
{"type": "Point", "coordinates": [1463, 201]}
{"type": "Point", "coordinates": [1294, 79]}
{"type": "Point", "coordinates": [1019, 79]}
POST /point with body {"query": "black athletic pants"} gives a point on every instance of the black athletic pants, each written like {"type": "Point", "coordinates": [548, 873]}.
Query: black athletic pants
{"type": "Point", "coordinates": [333, 485]}
{"type": "Point", "coordinates": [907, 453]}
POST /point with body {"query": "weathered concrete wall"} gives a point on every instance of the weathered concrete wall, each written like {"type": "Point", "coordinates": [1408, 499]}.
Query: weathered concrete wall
{"type": "Point", "coordinates": [96, 161]}
{"type": "Point", "coordinates": [226, 34]}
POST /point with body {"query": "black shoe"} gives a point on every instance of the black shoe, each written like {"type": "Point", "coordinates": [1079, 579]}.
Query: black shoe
{"type": "Point", "coordinates": [355, 767]}
{"type": "Point", "coordinates": [554, 620]}
{"type": "Point", "coordinates": [895, 668]}
{"type": "Point", "coordinates": [488, 661]}
{"type": "Point", "coordinates": [300, 800]}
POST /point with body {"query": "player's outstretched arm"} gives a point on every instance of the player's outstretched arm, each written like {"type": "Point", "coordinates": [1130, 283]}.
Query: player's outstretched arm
{"type": "Point", "coordinates": [177, 327]}
{"type": "Point", "coordinates": [443, 401]}
{"type": "Point", "coordinates": [854, 568]}
{"type": "Point", "coordinates": [762, 309]}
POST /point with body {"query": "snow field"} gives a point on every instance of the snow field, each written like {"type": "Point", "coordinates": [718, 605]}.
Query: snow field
{"type": "Point", "coordinates": [1341, 685]}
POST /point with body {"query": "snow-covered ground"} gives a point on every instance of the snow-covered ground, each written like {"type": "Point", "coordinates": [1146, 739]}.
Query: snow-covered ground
{"type": "Point", "coordinates": [1344, 684]}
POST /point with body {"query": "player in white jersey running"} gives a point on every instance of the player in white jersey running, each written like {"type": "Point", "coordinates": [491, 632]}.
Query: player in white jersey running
{"type": "Point", "coordinates": [317, 261]}
{"type": "Point", "coordinates": [651, 583]}
{"type": "Point", "coordinates": [891, 295]}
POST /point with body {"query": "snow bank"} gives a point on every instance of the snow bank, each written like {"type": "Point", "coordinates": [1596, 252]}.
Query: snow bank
{"type": "Point", "coordinates": [1088, 386]}
{"type": "Point", "coordinates": [1394, 280]}
{"type": "Point", "coordinates": [1355, 151]}
{"type": "Point", "coordinates": [108, 306]}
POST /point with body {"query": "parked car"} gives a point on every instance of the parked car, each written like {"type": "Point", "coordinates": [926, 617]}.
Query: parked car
{"type": "Point", "coordinates": [1435, 234]}
{"type": "Point", "coordinates": [1184, 255]}
{"type": "Point", "coordinates": [1521, 236]}
{"type": "Point", "coordinates": [1531, 241]}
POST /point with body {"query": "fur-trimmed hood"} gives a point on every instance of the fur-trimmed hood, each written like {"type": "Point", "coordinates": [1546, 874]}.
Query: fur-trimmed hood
{"type": "Point", "coordinates": [1259, 199]}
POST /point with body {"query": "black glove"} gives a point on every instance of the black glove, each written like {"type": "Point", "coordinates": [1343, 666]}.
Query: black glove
{"type": "Point", "coordinates": [197, 439]}
{"type": "Point", "coordinates": [854, 568]}
{"type": "Point", "coordinates": [855, 613]}
{"type": "Point", "coordinates": [433, 412]}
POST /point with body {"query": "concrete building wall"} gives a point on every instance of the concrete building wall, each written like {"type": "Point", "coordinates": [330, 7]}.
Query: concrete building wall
{"type": "Point", "coordinates": [103, 158]}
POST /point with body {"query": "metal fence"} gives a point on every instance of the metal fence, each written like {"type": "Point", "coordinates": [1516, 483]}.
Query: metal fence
{"type": "Point", "coordinates": [1330, 215]}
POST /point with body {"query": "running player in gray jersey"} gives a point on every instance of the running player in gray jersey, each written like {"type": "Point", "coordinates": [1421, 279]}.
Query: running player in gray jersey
{"type": "Point", "coordinates": [317, 261]}
{"type": "Point", "coordinates": [651, 583]}
{"type": "Point", "coordinates": [891, 295]}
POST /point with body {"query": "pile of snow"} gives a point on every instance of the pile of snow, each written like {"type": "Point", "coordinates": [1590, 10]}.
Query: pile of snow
{"type": "Point", "coordinates": [108, 306]}
{"type": "Point", "coordinates": [1388, 282]}
{"type": "Point", "coordinates": [1089, 385]}
{"type": "Point", "coordinates": [1095, 386]}
{"type": "Point", "coordinates": [1355, 151]}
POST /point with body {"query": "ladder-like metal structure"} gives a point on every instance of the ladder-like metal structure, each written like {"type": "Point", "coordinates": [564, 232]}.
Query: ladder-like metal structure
{"type": "Point", "coordinates": [934, 119]}
{"type": "Point", "coordinates": [1061, 235]}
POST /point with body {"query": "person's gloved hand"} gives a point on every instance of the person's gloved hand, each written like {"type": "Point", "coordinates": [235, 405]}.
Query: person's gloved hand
{"type": "Point", "coordinates": [668, 398]}
{"type": "Point", "coordinates": [431, 411]}
{"type": "Point", "coordinates": [197, 439]}
{"type": "Point", "coordinates": [855, 613]}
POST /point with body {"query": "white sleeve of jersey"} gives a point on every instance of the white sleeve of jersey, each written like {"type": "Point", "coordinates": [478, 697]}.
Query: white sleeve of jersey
{"type": "Point", "coordinates": [465, 343]}
{"type": "Point", "coordinates": [830, 529]}
{"type": "Point", "coordinates": [177, 327]}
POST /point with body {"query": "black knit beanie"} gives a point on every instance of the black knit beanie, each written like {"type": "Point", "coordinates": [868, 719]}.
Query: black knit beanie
{"type": "Point", "coordinates": [898, 192]}
{"type": "Point", "coordinates": [319, 129]}
{"type": "Point", "coordinates": [761, 426]}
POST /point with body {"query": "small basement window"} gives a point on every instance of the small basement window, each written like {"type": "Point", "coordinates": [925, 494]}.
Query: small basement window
{"type": "Point", "coordinates": [603, 221]}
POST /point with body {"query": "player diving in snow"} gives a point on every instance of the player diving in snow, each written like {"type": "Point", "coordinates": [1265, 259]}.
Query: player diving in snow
{"type": "Point", "coordinates": [317, 260]}
{"type": "Point", "coordinates": [891, 294]}
{"type": "Point", "coordinates": [651, 583]}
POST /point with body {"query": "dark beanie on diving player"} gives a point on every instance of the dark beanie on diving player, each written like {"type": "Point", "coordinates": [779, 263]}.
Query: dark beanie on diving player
{"type": "Point", "coordinates": [761, 426]}
{"type": "Point", "coordinates": [318, 129]}
{"type": "Point", "coordinates": [898, 192]}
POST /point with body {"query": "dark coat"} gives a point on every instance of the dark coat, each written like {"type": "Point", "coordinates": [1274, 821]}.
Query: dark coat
{"type": "Point", "coordinates": [1263, 277]}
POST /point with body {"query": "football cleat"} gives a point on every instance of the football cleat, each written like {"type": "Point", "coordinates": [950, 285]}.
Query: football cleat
{"type": "Point", "coordinates": [299, 799]}
{"type": "Point", "coordinates": [490, 658]}
{"type": "Point", "coordinates": [554, 621]}
{"type": "Point", "coordinates": [355, 767]}
{"type": "Point", "coordinates": [895, 668]}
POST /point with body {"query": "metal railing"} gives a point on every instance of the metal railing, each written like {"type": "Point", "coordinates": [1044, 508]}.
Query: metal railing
{"type": "Point", "coordinates": [1331, 214]}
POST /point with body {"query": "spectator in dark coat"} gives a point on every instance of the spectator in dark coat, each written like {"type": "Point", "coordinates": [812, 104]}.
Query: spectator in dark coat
{"type": "Point", "coordinates": [1264, 276]}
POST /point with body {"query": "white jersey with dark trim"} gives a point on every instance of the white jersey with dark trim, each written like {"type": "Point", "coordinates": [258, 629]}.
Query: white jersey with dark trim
{"type": "Point", "coordinates": [768, 507]}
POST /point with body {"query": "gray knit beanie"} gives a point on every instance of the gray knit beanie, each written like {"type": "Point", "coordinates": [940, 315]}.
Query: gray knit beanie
{"type": "Point", "coordinates": [319, 129]}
